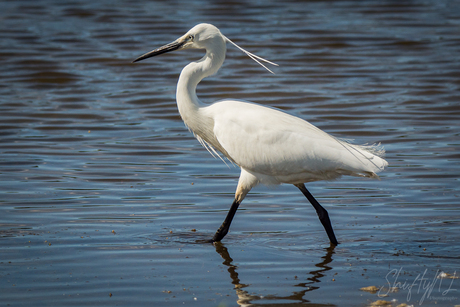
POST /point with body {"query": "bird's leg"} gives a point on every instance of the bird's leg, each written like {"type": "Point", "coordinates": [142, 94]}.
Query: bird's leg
{"type": "Point", "coordinates": [245, 183]}
{"type": "Point", "coordinates": [322, 213]}
{"type": "Point", "coordinates": [223, 229]}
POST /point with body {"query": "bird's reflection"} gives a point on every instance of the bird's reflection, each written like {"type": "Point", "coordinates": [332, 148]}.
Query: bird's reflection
{"type": "Point", "coordinates": [297, 297]}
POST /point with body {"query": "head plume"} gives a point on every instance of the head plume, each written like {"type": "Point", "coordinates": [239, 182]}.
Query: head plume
{"type": "Point", "coordinates": [256, 58]}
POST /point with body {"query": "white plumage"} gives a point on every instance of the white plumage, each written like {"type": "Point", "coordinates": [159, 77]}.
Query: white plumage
{"type": "Point", "coordinates": [269, 145]}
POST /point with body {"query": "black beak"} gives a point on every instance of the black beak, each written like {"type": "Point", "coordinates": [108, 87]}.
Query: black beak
{"type": "Point", "coordinates": [177, 44]}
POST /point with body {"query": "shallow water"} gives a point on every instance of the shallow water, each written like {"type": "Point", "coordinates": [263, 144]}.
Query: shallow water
{"type": "Point", "coordinates": [105, 196]}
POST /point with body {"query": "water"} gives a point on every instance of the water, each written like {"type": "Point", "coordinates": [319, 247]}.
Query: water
{"type": "Point", "coordinates": [104, 193]}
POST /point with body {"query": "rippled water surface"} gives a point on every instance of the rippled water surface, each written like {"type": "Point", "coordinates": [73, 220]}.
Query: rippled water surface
{"type": "Point", "coordinates": [105, 195]}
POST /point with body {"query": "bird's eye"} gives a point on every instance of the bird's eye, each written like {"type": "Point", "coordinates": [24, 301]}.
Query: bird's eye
{"type": "Point", "coordinates": [191, 37]}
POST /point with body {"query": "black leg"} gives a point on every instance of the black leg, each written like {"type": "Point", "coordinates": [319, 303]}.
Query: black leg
{"type": "Point", "coordinates": [322, 213]}
{"type": "Point", "coordinates": [223, 229]}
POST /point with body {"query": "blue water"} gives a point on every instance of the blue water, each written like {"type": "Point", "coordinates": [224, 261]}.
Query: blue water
{"type": "Point", "coordinates": [105, 195]}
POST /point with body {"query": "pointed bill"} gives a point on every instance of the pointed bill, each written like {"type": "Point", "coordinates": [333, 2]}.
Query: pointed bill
{"type": "Point", "coordinates": [175, 45]}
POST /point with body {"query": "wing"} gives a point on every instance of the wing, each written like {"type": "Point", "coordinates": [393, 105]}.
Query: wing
{"type": "Point", "coordinates": [270, 142]}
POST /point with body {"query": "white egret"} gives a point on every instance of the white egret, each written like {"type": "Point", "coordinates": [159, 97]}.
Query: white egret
{"type": "Point", "coordinates": [269, 145]}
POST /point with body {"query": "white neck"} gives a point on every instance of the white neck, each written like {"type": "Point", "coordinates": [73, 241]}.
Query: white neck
{"type": "Point", "coordinates": [187, 101]}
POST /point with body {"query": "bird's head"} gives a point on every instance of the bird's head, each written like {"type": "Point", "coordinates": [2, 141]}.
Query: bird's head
{"type": "Point", "coordinates": [201, 36]}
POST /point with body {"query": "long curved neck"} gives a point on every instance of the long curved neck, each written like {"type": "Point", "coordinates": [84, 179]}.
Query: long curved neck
{"type": "Point", "coordinates": [187, 100]}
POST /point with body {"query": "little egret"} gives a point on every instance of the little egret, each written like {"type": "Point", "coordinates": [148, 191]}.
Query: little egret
{"type": "Point", "coordinates": [269, 145]}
